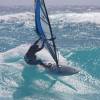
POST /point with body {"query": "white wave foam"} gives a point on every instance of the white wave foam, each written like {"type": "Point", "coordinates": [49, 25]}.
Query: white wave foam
{"type": "Point", "coordinates": [93, 17]}
{"type": "Point", "coordinates": [14, 17]}
{"type": "Point", "coordinates": [28, 18]}
{"type": "Point", "coordinates": [76, 81]}
{"type": "Point", "coordinates": [21, 50]}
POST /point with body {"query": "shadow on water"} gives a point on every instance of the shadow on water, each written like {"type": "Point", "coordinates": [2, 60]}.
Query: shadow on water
{"type": "Point", "coordinates": [37, 83]}
{"type": "Point", "coordinates": [30, 86]}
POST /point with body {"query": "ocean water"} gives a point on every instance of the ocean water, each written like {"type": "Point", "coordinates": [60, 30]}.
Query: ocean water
{"type": "Point", "coordinates": [78, 40]}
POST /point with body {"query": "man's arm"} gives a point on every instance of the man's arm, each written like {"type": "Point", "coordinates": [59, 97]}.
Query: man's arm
{"type": "Point", "coordinates": [44, 41]}
{"type": "Point", "coordinates": [41, 46]}
{"type": "Point", "coordinates": [37, 41]}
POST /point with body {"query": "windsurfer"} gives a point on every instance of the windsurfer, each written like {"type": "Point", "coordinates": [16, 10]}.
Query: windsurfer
{"type": "Point", "coordinates": [30, 56]}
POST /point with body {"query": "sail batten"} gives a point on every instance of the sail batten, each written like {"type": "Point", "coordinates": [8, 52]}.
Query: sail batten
{"type": "Point", "coordinates": [45, 21]}
{"type": "Point", "coordinates": [44, 29]}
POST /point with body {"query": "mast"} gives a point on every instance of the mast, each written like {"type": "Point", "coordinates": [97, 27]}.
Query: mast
{"type": "Point", "coordinates": [51, 34]}
{"type": "Point", "coordinates": [43, 28]}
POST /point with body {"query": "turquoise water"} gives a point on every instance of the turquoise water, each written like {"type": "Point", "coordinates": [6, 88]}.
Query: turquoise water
{"type": "Point", "coordinates": [78, 40]}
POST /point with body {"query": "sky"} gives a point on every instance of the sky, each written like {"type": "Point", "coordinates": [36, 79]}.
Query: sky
{"type": "Point", "coordinates": [50, 2]}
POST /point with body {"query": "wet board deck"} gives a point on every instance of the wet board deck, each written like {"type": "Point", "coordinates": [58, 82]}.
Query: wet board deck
{"type": "Point", "coordinates": [62, 70]}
